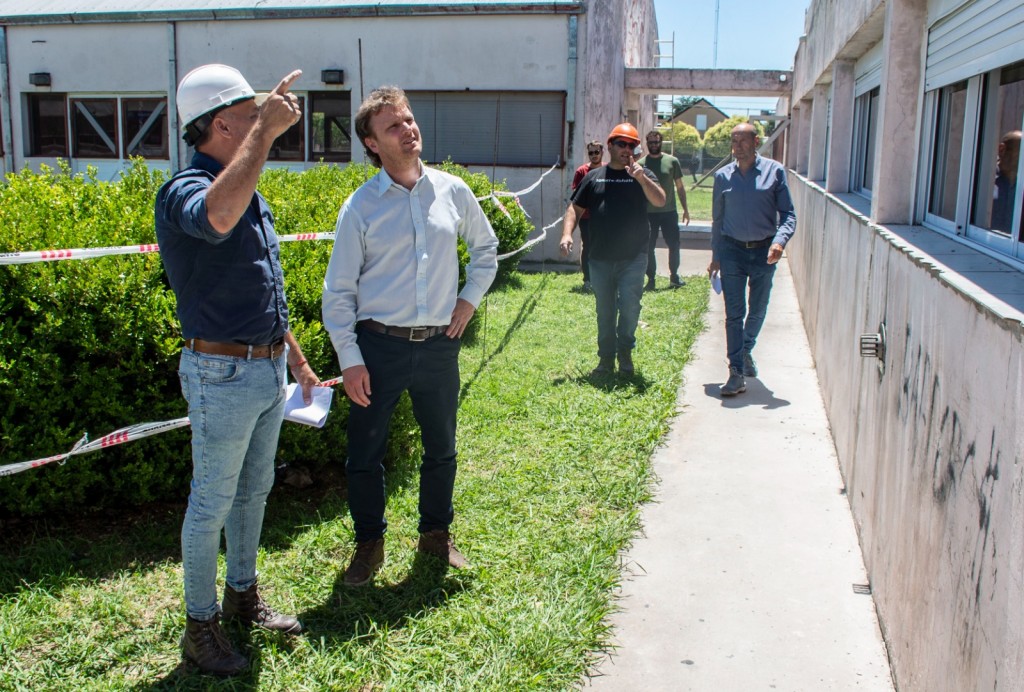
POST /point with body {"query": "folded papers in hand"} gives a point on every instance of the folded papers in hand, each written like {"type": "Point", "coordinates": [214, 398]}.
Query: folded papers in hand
{"type": "Point", "coordinates": [296, 410]}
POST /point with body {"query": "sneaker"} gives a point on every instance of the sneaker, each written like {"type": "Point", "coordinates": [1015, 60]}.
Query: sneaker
{"type": "Point", "coordinates": [626, 362]}
{"type": "Point", "coordinates": [749, 366]}
{"type": "Point", "coordinates": [605, 366]}
{"type": "Point", "coordinates": [368, 558]}
{"type": "Point", "coordinates": [675, 282]}
{"type": "Point", "coordinates": [735, 385]}
{"type": "Point", "coordinates": [439, 544]}
{"type": "Point", "coordinates": [650, 285]}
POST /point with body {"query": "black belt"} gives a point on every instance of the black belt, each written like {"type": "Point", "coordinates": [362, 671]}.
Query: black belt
{"type": "Point", "coordinates": [407, 333]}
{"type": "Point", "coordinates": [216, 348]}
{"type": "Point", "coordinates": [750, 244]}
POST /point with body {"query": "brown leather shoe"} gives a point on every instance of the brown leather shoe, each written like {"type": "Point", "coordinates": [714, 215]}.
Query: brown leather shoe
{"type": "Point", "coordinates": [368, 558]}
{"type": "Point", "coordinates": [250, 608]}
{"type": "Point", "coordinates": [205, 645]}
{"type": "Point", "coordinates": [439, 544]}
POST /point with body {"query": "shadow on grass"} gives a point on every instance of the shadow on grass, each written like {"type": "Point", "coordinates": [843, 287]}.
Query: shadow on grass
{"type": "Point", "coordinates": [607, 382]}
{"type": "Point", "coordinates": [51, 551]}
{"type": "Point", "coordinates": [525, 310]}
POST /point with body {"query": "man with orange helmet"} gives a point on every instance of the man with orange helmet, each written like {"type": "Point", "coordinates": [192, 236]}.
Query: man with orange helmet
{"type": "Point", "coordinates": [616, 195]}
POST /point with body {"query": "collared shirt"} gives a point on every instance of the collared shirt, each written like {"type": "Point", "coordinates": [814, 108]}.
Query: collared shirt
{"type": "Point", "coordinates": [396, 260]}
{"type": "Point", "coordinates": [752, 207]}
{"type": "Point", "coordinates": [230, 288]}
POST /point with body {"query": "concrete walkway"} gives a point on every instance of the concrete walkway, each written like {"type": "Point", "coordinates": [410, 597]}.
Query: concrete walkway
{"type": "Point", "coordinates": [748, 574]}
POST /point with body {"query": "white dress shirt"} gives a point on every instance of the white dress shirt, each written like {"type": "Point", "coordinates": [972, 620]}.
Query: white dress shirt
{"type": "Point", "coordinates": [395, 257]}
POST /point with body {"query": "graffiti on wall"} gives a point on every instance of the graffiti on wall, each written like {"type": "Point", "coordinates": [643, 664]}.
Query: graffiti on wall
{"type": "Point", "coordinates": [962, 480]}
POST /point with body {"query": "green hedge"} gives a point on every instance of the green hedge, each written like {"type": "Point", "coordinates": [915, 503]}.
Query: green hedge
{"type": "Point", "coordinates": [91, 346]}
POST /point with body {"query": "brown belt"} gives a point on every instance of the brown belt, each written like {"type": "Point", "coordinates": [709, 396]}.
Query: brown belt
{"type": "Point", "coordinates": [407, 333]}
{"type": "Point", "coordinates": [216, 348]}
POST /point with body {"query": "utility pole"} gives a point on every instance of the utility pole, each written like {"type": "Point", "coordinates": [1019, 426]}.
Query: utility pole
{"type": "Point", "coordinates": [714, 55]}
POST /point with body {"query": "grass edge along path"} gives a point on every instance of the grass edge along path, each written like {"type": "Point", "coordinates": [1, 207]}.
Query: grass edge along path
{"type": "Point", "coordinates": [554, 467]}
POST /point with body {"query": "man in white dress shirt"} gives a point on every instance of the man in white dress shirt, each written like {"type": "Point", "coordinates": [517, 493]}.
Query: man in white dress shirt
{"type": "Point", "coordinates": [394, 313]}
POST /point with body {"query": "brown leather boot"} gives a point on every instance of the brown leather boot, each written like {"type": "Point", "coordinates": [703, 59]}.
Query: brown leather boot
{"type": "Point", "coordinates": [368, 558]}
{"type": "Point", "coordinates": [250, 608]}
{"type": "Point", "coordinates": [206, 646]}
{"type": "Point", "coordinates": [439, 544]}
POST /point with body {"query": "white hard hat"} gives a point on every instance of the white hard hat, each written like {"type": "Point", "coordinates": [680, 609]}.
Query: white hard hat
{"type": "Point", "coordinates": [207, 89]}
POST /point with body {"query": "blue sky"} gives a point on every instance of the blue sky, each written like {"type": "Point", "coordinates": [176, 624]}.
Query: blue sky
{"type": "Point", "coordinates": [752, 35]}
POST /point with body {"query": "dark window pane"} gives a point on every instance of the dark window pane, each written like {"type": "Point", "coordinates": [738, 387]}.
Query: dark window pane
{"type": "Point", "coordinates": [94, 128]}
{"type": "Point", "coordinates": [995, 177]}
{"type": "Point", "coordinates": [949, 137]}
{"type": "Point", "coordinates": [870, 139]}
{"type": "Point", "coordinates": [289, 146]}
{"type": "Point", "coordinates": [47, 125]}
{"type": "Point", "coordinates": [331, 126]}
{"type": "Point", "coordinates": [145, 127]}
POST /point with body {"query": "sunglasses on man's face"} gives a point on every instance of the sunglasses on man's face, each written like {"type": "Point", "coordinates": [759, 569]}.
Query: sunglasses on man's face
{"type": "Point", "coordinates": [594, 153]}
{"type": "Point", "coordinates": [623, 144]}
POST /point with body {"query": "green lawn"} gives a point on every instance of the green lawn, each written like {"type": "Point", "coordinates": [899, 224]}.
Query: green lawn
{"type": "Point", "coordinates": [699, 201]}
{"type": "Point", "coordinates": [554, 465]}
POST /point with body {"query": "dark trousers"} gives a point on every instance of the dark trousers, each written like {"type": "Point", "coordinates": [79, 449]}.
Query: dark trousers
{"type": "Point", "coordinates": [429, 371]}
{"type": "Point", "coordinates": [666, 223]}
{"type": "Point", "coordinates": [585, 248]}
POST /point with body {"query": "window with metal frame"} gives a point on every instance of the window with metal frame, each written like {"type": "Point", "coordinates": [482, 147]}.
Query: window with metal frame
{"type": "Point", "coordinates": [290, 145]}
{"type": "Point", "coordinates": [865, 137]}
{"type": "Point", "coordinates": [947, 148]}
{"type": "Point", "coordinates": [94, 131]}
{"type": "Point", "coordinates": [46, 124]}
{"type": "Point", "coordinates": [144, 121]}
{"type": "Point", "coordinates": [484, 128]}
{"type": "Point", "coordinates": [330, 129]}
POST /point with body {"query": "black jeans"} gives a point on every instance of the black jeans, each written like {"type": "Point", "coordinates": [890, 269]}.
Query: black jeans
{"type": "Point", "coordinates": [667, 223]}
{"type": "Point", "coordinates": [429, 371]}
{"type": "Point", "coordinates": [585, 248]}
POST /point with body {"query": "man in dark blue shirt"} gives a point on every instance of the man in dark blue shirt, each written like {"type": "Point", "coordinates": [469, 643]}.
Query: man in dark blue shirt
{"type": "Point", "coordinates": [218, 246]}
{"type": "Point", "coordinates": [753, 219]}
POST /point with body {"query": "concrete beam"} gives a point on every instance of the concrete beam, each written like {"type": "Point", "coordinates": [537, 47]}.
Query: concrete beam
{"type": "Point", "coordinates": [817, 146]}
{"type": "Point", "coordinates": [837, 177]}
{"type": "Point", "coordinates": [656, 80]}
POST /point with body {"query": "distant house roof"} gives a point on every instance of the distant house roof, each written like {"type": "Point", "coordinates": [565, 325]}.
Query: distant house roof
{"type": "Point", "coordinates": [96, 11]}
{"type": "Point", "coordinates": [702, 102]}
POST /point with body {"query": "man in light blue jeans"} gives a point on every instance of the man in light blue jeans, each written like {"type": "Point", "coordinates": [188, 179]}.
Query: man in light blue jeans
{"type": "Point", "coordinates": [222, 259]}
{"type": "Point", "coordinates": [616, 195]}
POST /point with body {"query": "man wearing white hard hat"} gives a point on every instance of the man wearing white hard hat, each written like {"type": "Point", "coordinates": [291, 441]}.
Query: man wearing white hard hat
{"type": "Point", "coordinates": [222, 259]}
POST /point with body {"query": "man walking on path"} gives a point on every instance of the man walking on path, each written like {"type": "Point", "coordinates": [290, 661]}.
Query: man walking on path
{"type": "Point", "coordinates": [616, 196]}
{"type": "Point", "coordinates": [391, 307]}
{"type": "Point", "coordinates": [753, 219]}
{"type": "Point", "coordinates": [222, 259]}
{"type": "Point", "coordinates": [665, 219]}
{"type": "Point", "coordinates": [595, 150]}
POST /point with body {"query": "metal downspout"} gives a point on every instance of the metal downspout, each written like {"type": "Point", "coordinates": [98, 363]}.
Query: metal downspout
{"type": "Point", "coordinates": [172, 100]}
{"type": "Point", "coordinates": [5, 103]}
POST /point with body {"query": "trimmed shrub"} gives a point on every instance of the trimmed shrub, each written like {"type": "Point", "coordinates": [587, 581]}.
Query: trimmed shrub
{"type": "Point", "coordinates": [92, 346]}
{"type": "Point", "coordinates": [718, 139]}
{"type": "Point", "coordinates": [686, 141]}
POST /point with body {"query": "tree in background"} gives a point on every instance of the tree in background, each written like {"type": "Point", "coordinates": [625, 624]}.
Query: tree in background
{"type": "Point", "coordinates": [685, 139]}
{"type": "Point", "coordinates": [717, 140]}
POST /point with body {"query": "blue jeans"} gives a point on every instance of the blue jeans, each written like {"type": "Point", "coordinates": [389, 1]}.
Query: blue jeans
{"type": "Point", "coordinates": [666, 223]}
{"type": "Point", "coordinates": [235, 407]}
{"type": "Point", "coordinates": [585, 248]}
{"type": "Point", "coordinates": [618, 286]}
{"type": "Point", "coordinates": [741, 269]}
{"type": "Point", "coordinates": [429, 371]}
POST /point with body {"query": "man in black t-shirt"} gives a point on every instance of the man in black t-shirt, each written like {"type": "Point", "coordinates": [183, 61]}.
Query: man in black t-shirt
{"type": "Point", "coordinates": [616, 195]}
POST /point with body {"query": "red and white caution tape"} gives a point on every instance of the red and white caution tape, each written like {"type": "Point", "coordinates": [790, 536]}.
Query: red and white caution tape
{"type": "Point", "coordinates": [118, 437]}
{"type": "Point", "coordinates": [76, 254]}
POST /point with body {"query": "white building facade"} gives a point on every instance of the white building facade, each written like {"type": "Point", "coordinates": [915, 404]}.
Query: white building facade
{"type": "Point", "coordinates": [506, 88]}
{"type": "Point", "coordinates": [907, 117]}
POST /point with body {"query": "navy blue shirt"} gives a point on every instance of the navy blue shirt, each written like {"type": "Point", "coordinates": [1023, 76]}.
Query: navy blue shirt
{"type": "Point", "coordinates": [230, 288]}
{"type": "Point", "coordinates": [751, 207]}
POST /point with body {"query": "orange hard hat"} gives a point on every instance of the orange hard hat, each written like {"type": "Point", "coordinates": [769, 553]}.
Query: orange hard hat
{"type": "Point", "coordinates": [624, 131]}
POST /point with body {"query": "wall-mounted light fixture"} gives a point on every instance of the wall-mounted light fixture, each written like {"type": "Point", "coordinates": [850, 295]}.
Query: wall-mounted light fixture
{"type": "Point", "coordinates": [39, 79]}
{"type": "Point", "coordinates": [332, 76]}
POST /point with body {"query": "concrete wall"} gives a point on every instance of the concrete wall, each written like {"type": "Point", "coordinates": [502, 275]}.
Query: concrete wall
{"type": "Point", "coordinates": [929, 449]}
{"type": "Point", "coordinates": [832, 27]}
